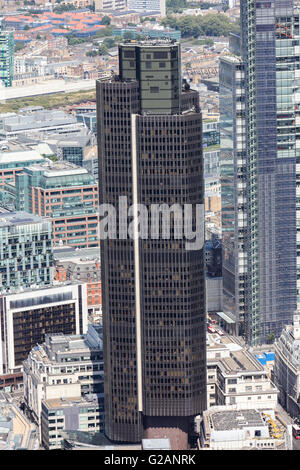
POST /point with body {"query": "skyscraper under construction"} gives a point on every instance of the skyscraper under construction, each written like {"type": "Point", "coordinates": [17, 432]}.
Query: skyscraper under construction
{"type": "Point", "coordinates": [150, 154]}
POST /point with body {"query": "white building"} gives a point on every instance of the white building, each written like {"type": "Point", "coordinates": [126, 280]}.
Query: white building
{"type": "Point", "coordinates": [26, 316]}
{"type": "Point", "coordinates": [145, 6]}
{"type": "Point", "coordinates": [236, 377]}
{"type": "Point", "coordinates": [110, 5]}
{"type": "Point", "coordinates": [64, 366]}
{"type": "Point", "coordinates": [236, 428]}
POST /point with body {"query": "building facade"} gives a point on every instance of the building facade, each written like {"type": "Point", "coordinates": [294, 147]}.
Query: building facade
{"type": "Point", "coordinates": [80, 266]}
{"type": "Point", "coordinates": [26, 251]}
{"type": "Point", "coordinates": [63, 366]}
{"type": "Point", "coordinates": [83, 414]}
{"type": "Point", "coordinates": [258, 105]}
{"type": "Point", "coordinates": [153, 289]}
{"type": "Point", "coordinates": [6, 57]}
{"type": "Point", "coordinates": [65, 193]}
{"type": "Point", "coordinates": [287, 367]}
{"type": "Point", "coordinates": [26, 317]}
{"type": "Point", "coordinates": [236, 377]}
{"type": "Point", "coordinates": [145, 6]}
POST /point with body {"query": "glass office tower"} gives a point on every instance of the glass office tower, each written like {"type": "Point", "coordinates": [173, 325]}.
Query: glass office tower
{"type": "Point", "coordinates": [150, 150]}
{"type": "Point", "coordinates": [6, 56]}
{"type": "Point", "coordinates": [259, 150]}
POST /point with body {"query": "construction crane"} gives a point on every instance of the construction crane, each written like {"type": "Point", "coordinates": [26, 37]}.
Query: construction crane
{"type": "Point", "coordinates": [274, 428]}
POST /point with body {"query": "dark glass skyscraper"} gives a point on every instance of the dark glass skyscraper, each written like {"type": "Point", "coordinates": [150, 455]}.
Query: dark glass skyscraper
{"type": "Point", "coordinates": [150, 151]}
{"type": "Point", "coordinates": [259, 133]}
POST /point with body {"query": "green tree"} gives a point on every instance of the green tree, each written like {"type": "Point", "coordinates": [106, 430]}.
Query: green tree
{"type": "Point", "coordinates": [91, 53]}
{"type": "Point", "coordinates": [209, 25]}
{"type": "Point", "coordinates": [106, 20]}
{"type": "Point", "coordinates": [175, 6]}
{"type": "Point", "coordinates": [19, 46]}
{"type": "Point", "coordinates": [102, 49]}
{"type": "Point", "coordinates": [128, 35]}
{"type": "Point", "coordinates": [109, 42]}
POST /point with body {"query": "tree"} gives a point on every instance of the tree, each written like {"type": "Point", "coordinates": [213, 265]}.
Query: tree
{"type": "Point", "coordinates": [271, 337]}
{"type": "Point", "coordinates": [92, 53]}
{"type": "Point", "coordinates": [212, 24]}
{"type": "Point", "coordinates": [128, 35]}
{"type": "Point", "coordinates": [19, 46]}
{"type": "Point", "coordinates": [109, 42]}
{"type": "Point", "coordinates": [106, 20]}
{"type": "Point", "coordinates": [102, 49]}
{"type": "Point", "coordinates": [175, 6]}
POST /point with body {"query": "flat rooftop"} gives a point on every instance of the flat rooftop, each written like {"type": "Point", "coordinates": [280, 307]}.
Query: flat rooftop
{"type": "Point", "coordinates": [65, 402]}
{"type": "Point", "coordinates": [236, 419]}
{"type": "Point", "coordinates": [71, 254]}
{"type": "Point", "coordinates": [19, 218]}
{"type": "Point", "coordinates": [59, 168]}
{"type": "Point", "coordinates": [237, 359]}
{"type": "Point", "coordinates": [155, 42]}
{"type": "Point", "coordinates": [20, 156]}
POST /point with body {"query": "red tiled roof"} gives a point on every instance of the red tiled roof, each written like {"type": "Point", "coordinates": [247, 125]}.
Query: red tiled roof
{"type": "Point", "coordinates": [59, 30]}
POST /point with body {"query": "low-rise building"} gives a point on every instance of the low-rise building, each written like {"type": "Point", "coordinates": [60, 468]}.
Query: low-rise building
{"type": "Point", "coordinates": [63, 366]}
{"type": "Point", "coordinates": [71, 414]}
{"type": "Point", "coordinates": [235, 376]}
{"type": "Point", "coordinates": [29, 121]}
{"type": "Point", "coordinates": [238, 428]}
{"type": "Point", "coordinates": [81, 265]}
{"type": "Point", "coordinates": [16, 432]}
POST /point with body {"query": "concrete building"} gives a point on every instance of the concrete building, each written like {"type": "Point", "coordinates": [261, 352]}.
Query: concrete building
{"type": "Point", "coordinates": [144, 6]}
{"type": "Point", "coordinates": [30, 120]}
{"type": "Point", "coordinates": [287, 367]}
{"type": "Point", "coordinates": [81, 265]}
{"type": "Point", "coordinates": [72, 148]}
{"type": "Point", "coordinates": [28, 315]}
{"type": "Point", "coordinates": [26, 251]}
{"type": "Point", "coordinates": [110, 5]}
{"type": "Point", "coordinates": [71, 414]}
{"type": "Point", "coordinates": [16, 431]}
{"type": "Point", "coordinates": [63, 366]}
{"type": "Point", "coordinates": [236, 377]}
{"type": "Point", "coordinates": [237, 428]}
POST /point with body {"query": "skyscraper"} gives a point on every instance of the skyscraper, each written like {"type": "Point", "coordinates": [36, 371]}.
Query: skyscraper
{"type": "Point", "coordinates": [149, 132]}
{"type": "Point", "coordinates": [259, 149]}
